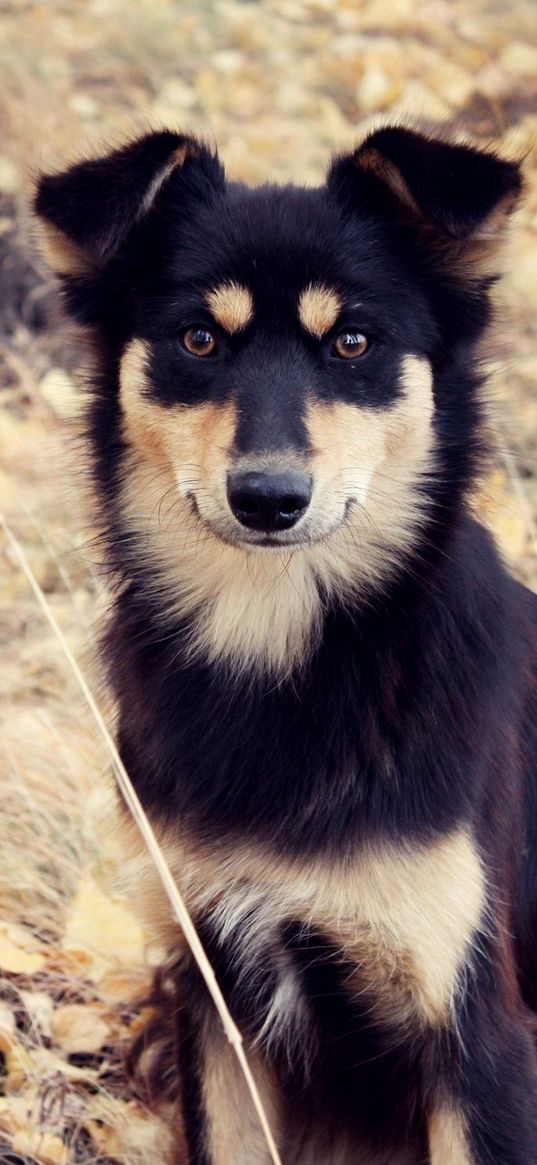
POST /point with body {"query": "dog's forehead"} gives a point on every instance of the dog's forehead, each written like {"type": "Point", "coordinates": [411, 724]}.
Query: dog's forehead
{"type": "Point", "coordinates": [272, 242]}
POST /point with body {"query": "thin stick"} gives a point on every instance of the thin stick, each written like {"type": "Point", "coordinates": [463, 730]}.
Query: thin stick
{"type": "Point", "coordinates": [134, 804]}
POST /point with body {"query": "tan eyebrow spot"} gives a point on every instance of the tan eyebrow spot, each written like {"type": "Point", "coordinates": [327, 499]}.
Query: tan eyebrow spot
{"type": "Point", "coordinates": [232, 306]}
{"type": "Point", "coordinates": [318, 309]}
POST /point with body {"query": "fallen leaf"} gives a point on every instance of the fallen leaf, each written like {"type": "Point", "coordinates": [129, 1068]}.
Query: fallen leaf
{"type": "Point", "coordinates": [126, 1131]}
{"type": "Point", "coordinates": [7, 1020]}
{"type": "Point", "coordinates": [39, 1008]}
{"type": "Point", "coordinates": [123, 986]}
{"type": "Point", "coordinates": [60, 393]}
{"type": "Point", "coordinates": [104, 926]}
{"type": "Point", "coordinates": [21, 937]}
{"type": "Point", "coordinates": [37, 1064]}
{"type": "Point", "coordinates": [10, 177]}
{"type": "Point", "coordinates": [510, 528]}
{"type": "Point", "coordinates": [79, 1028]}
{"type": "Point", "coordinates": [105, 1139]}
{"type": "Point", "coordinates": [16, 1113]}
{"type": "Point", "coordinates": [47, 1148]}
{"type": "Point", "coordinates": [19, 1065]}
{"type": "Point", "coordinates": [17, 961]}
{"type": "Point", "coordinates": [46, 1063]}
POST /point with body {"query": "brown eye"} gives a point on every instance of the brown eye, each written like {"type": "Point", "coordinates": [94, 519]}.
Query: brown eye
{"type": "Point", "coordinates": [349, 344]}
{"type": "Point", "coordinates": [199, 342]}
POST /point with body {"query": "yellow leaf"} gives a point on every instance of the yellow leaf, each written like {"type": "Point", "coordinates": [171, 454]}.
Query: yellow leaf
{"type": "Point", "coordinates": [79, 1028]}
{"type": "Point", "coordinates": [25, 1064]}
{"type": "Point", "coordinates": [18, 1064]}
{"type": "Point", "coordinates": [39, 1008]}
{"type": "Point", "coordinates": [77, 964]}
{"type": "Point", "coordinates": [511, 529]}
{"type": "Point", "coordinates": [20, 1118]}
{"type": "Point", "coordinates": [126, 1131]}
{"type": "Point", "coordinates": [21, 936]}
{"type": "Point", "coordinates": [18, 961]}
{"type": "Point", "coordinates": [46, 1063]}
{"type": "Point", "coordinates": [16, 1113]}
{"type": "Point", "coordinates": [123, 986]}
{"type": "Point", "coordinates": [104, 926]}
{"type": "Point", "coordinates": [7, 1020]}
{"type": "Point", "coordinates": [47, 1148]}
{"type": "Point", "coordinates": [105, 1139]}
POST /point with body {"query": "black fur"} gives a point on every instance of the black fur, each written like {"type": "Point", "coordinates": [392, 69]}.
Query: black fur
{"type": "Point", "coordinates": [415, 714]}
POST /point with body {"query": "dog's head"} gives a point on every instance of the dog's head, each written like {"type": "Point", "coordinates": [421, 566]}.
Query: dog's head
{"type": "Point", "coordinates": [286, 386]}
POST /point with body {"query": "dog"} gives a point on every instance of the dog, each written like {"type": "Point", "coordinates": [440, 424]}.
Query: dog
{"type": "Point", "coordinates": [325, 677]}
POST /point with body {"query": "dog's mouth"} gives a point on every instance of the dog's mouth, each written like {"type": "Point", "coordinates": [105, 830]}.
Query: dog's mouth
{"type": "Point", "coordinates": [233, 534]}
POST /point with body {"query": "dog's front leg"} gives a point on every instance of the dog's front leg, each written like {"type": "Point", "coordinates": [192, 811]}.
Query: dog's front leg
{"type": "Point", "coordinates": [485, 1109]}
{"type": "Point", "coordinates": [220, 1121]}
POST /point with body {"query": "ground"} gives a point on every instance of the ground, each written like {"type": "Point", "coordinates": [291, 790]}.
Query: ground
{"type": "Point", "coordinates": [279, 84]}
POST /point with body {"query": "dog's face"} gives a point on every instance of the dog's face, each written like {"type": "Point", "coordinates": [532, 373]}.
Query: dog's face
{"type": "Point", "coordinates": [282, 374]}
{"type": "Point", "coordinates": [279, 407]}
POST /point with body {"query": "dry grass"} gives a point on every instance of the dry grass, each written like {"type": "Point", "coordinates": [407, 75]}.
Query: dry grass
{"type": "Point", "coordinates": [280, 85]}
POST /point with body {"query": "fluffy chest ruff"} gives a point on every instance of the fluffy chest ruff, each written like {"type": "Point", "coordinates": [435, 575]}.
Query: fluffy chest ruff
{"type": "Point", "coordinates": [398, 921]}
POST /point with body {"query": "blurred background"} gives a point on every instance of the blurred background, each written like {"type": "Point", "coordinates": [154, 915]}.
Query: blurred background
{"type": "Point", "coordinates": [279, 85]}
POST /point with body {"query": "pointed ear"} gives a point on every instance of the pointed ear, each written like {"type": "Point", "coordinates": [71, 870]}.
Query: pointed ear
{"type": "Point", "coordinates": [88, 211]}
{"type": "Point", "coordinates": [456, 191]}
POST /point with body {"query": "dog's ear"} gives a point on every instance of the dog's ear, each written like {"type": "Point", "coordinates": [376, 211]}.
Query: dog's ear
{"type": "Point", "coordinates": [454, 191]}
{"type": "Point", "coordinates": [88, 211]}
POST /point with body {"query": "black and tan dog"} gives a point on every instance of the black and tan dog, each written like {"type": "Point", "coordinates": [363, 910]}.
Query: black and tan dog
{"type": "Point", "coordinates": [323, 671]}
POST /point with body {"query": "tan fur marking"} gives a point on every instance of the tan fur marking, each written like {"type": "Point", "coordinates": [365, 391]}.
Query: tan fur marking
{"type": "Point", "coordinates": [404, 917]}
{"type": "Point", "coordinates": [318, 309]}
{"type": "Point", "coordinates": [348, 443]}
{"type": "Point", "coordinates": [177, 158]}
{"type": "Point", "coordinates": [175, 438]}
{"type": "Point", "coordinates": [233, 1130]}
{"type": "Point", "coordinates": [61, 254]}
{"type": "Point", "coordinates": [232, 306]}
{"type": "Point", "coordinates": [438, 891]}
{"type": "Point", "coordinates": [448, 1143]}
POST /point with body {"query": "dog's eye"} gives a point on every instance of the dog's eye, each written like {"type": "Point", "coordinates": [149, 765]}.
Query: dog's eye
{"type": "Point", "coordinates": [350, 344]}
{"type": "Point", "coordinates": [199, 342]}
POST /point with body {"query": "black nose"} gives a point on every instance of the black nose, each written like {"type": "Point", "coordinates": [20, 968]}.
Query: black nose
{"type": "Point", "coordinates": [269, 501]}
